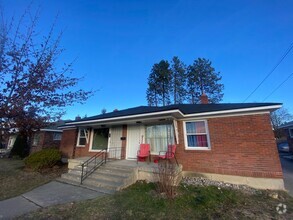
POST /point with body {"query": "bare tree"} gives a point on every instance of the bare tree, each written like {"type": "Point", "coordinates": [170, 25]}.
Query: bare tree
{"type": "Point", "coordinates": [33, 89]}
{"type": "Point", "coordinates": [278, 118]}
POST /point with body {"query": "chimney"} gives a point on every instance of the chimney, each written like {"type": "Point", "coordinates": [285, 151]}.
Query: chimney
{"type": "Point", "coordinates": [204, 99]}
{"type": "Point", "coordinates": [77, 118]}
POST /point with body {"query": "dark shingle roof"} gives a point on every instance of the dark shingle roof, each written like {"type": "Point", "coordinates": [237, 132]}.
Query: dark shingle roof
{"type": "Point", "coordinates": [184, 108]}
{"type": "Point", "coordinates": [287, 124]}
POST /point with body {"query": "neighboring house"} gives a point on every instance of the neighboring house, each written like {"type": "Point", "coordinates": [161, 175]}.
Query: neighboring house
{"type": "Point", "coordinates": [288, 131]}
{"type": "Point", "coordinates": [9, 144]}
{"type": "Point", "coordinates": [229, 142]}
{"type": "Point", "coordinates": [49, 137]}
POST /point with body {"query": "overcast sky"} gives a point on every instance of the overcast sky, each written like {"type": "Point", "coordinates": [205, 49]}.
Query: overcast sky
{"type": "Point", "coordinates": [117, 42]}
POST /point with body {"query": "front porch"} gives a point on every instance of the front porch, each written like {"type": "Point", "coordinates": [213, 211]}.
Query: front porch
{"type": "Point", "coordinates": [114, 175]}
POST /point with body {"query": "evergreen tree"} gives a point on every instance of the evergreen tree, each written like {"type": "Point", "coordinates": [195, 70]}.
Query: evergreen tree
{"type": "Point", "coordinates": [202, 78]}
{"type": "Point", "coordinates": [178, 73]}
{"type": "Point", "coordinates": [159, 81]}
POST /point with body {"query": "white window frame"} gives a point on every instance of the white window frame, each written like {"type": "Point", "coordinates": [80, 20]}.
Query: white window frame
{"type": "Point", "coordinates": [58, 134]}
{"type": "Point", "coordinates": [291, 132]}
{"type": "Point", "coordinates": [36, 139]}
{"type": "Point", "coordinates": [86, 132]}
{"type": "Point", "coordinates": [207, 134]}
{"type": "Point", "coordinates": [11, 141]}
{"type": "Point", "coordinates": [92, 141]}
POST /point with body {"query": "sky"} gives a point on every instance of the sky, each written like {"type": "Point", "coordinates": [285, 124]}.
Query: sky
{"type": "Point", "coordinates": [115, 44]}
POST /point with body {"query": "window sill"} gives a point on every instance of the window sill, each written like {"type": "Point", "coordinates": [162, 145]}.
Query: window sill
{"type": "Point", "coordinates": [80, 145]}
{"type": "Point", "coordinates": [91, 150]}
{"type": "Point", "coordinates": [198, 148]}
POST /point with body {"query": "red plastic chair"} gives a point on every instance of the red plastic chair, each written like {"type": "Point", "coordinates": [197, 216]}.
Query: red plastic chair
{"type": "Point", "coordinates": [169, 154]}
{"type": "Point", "coordinates": [143, 152]}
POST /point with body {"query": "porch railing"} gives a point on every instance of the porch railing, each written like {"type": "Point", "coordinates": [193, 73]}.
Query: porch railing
{"type": "Point", "coordinates": [90, 165]}
{"type": "Point", "coordinates": [115, 153]}
{"type": "Point", "coordinates": [100, 158]}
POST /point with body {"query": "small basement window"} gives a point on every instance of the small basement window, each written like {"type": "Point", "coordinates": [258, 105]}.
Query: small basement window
{"type": "Point", "coordinates": [196, 135]}
{"type": "Point", "coordinates": [82, 137]}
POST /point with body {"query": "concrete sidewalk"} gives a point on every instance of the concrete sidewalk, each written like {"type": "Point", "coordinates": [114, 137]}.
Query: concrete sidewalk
{"type": "Point", "coordinates": [52, 193]}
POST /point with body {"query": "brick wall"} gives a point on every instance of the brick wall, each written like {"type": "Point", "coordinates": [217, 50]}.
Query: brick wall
{"type": "Point", "coordinates": [240, 145]}
{"type": "Point", "coordinates": [46, 141]}
{"type": "Point", "coordinates": [68, 143]}
{"type": "Point", "coordinates": [69, 149]}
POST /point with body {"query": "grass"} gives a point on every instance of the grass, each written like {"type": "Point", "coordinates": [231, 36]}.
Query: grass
{"type": "Point", "coordinates": [15, 180]}
{"type": "Point", "coordinates": [141, 201]}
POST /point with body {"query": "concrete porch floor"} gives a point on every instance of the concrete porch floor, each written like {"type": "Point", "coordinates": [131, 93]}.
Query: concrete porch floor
{"type": "Point", "coordinates": [123, 162]}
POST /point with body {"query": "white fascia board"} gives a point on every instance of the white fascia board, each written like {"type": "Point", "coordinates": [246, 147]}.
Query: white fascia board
{"type": "Point", "coordinates": [127, 117]}
{"type": "Point", "coordinates": [224, 115]}
{"type": "Point", "coordinates": [234, 111]}
{"type": "Point", "coordinates": [53, 130]}
{"type": "Point", "coordinates": [67, 127]}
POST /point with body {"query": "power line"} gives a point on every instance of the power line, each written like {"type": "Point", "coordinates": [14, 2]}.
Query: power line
{"type": "Point", "coordinates": [278, 86]}
{"type": "Point", "coordinates": [274, 68]}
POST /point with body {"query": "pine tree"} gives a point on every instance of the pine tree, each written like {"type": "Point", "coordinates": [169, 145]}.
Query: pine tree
{"type": "Point", "coordinates": [159, 81]}
{"type": "Point", "coordinates": [202, 78]}
{"type": "Point", "coordinates": [178, 81]}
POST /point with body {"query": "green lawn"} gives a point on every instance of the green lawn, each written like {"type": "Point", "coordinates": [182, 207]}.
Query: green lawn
{"type": "Point", "coordinates": [141, 201]}
{"type": "Point", "coordinates": [14, 180]}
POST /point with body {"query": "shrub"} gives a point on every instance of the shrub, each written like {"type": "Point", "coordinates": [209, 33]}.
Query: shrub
{"type": "Point", "coordinates": [43, 159]}
{"type": "Point", "coordinates": [167, 176]}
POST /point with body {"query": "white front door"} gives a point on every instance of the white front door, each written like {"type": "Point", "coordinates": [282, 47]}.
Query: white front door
{"type": "Point", "coordinates": [115, 142]}
{"type": "Point", "coordinates": [135, 136]}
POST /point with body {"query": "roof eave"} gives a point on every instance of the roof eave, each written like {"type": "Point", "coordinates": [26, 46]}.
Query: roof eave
{"type": "Point", "coordinates": [176, 113]}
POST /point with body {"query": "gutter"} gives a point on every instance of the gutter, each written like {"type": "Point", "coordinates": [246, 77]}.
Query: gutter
{"type": "Point", "coordinates": [270, 107]}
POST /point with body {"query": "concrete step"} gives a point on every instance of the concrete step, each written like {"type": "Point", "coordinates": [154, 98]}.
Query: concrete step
{"type": "Point", "coordinates": [117, 169]}
{"type": "Point", "coordinates": [108, 176]}
{"type": "Point", "coordinates": [98, 189]}
{"type": "Point", "coordinates": [71, 177]}
{"type": "Point", "coordinates": [101, 183]}
{"type": "Point", "coordinates": [113, 172]}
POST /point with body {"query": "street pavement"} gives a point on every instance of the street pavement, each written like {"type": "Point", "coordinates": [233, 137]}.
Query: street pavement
{"type": "Point", "coordinates": [287, 166]}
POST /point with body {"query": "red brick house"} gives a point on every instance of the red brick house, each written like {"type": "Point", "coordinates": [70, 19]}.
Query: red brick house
{"type": "Point", "coordinates": [46, 138]}
{"type": "Point", "coordinates": [229, 142]}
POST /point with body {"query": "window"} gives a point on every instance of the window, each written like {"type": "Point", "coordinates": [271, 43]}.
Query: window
{"type": "Point", "coordinates": [82, 137]}
{"type": "Point", "coordinates": [291, 132]}
{"type": "Point", "coordinates": [36, 140]}
{"type": "Point", "coordinates": [57, 136]}
{"type": "Point", "coordinates": [100, 139]}
{"type": "Point", "coordinates": [196, 135]}
{"type": "Point", "coordinates": [159, 137]}
{"type": "Point", "coordinates": [11, 141]}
